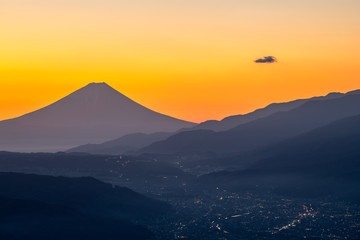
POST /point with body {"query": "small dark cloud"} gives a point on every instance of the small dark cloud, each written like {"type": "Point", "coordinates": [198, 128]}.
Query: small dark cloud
{"type": "Point", "coordinates": [268, 59]}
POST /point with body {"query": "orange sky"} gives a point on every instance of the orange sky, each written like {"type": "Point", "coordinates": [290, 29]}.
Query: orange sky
{"type": "Point", "coordinates": [188, 59]}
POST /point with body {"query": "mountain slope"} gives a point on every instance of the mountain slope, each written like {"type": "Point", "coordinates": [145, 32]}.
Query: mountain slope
{"type": "Point", "coordinates": [326, 150]}
{"type": "Point", "coordinates": [321, 162]}
{"type": "Point", "coordinates": [233, 121]}
{"type": "Point", "coordinates": [261, 132]}
{"type": "Point", "coordinates": [94, 113]}
{"type": "Point", "coordinates": [133, 142]}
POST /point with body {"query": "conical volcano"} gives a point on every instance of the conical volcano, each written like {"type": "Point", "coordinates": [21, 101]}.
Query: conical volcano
{"type": "Point", "coordinates": [94, 113]}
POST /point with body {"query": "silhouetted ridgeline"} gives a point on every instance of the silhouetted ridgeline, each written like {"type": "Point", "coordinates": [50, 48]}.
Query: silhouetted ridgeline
{"type": "Point", "coordinates": [127, 143]}
{"type": "Point", "coordinates": [261, 132]}
{"type": "Point", "coordinates": [133, 142]}
{"type": "Point", "coordinates": [233, 121]}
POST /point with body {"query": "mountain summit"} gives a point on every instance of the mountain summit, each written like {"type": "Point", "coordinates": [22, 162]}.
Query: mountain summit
{"type": "Point", "coordinates": [94, 113]}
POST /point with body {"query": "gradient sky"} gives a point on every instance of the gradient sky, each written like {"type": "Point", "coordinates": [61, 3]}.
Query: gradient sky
{"type": "Point", "coordinates": [191, 59]}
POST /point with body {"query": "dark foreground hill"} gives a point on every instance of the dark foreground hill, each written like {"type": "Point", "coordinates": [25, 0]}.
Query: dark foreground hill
{"type": "Point", "coordinates": [83, 193]}
{"type": "Point", "coordinates": [44, 207]}
{"type": "Point", "coordinates": [34, 220]}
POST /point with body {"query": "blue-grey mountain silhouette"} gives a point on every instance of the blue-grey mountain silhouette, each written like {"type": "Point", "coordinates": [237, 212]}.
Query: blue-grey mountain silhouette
{"type": "Point", "coordinates": [261, 132]}
{"type": "Point", "coordinates": [92, 114]}
{"type": "Point", "coordinates": [233, 121]}
{"type": "Point", "coordinates": [133, 142]}
{"type": "Point", "coordinates": [127, 143]}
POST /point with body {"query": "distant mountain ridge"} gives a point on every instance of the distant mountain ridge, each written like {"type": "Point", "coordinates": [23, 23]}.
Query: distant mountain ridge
{"type": "Point", "coordinates": [94, 113]}
{"type": "Point", "coordinates": [233, 121]}
{"type": "Point", "coordinates": [130, 142]}
{"type": "Point", "coordinates": [133, 142]}
{"type": "Point", "coordinates": [261, 132]}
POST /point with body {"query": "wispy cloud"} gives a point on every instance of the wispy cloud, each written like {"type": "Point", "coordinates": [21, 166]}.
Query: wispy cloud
{"type": "Point", "coordinates": [268, 59]}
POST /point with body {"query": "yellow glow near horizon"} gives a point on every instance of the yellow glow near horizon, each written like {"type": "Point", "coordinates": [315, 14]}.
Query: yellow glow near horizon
{"type": "Point", "coordinates": [188, 59]}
